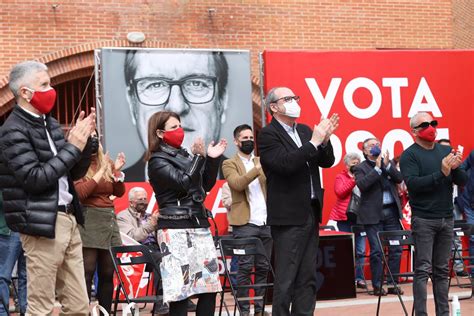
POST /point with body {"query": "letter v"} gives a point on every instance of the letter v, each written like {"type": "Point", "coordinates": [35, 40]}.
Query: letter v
{"type": "Point", "coordinates": [324, 103]}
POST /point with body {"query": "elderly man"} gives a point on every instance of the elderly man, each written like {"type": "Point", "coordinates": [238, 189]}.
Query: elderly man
{"type": "Point", "coordinates": [192, 85]}
{"type": "Point", "coordinates": [134, 222]}
{"type": "Point", "coordinates": [430, 170]}
{"type": "Point", "coordinates": [380, 208]}
{"type": "Point", "coordinates": [291, 155]}
{"type": "Point", "coordinates": [37, 170]}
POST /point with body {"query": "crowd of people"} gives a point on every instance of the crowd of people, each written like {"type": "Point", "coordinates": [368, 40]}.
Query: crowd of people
{"type": "Point", "coordinates": [58, 221]}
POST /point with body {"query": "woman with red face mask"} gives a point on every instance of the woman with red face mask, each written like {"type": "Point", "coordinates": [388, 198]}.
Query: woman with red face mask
{"type": "Point", "coordinates": [180, 181]}
{"type": "Point", "coordinates": [103, 181]}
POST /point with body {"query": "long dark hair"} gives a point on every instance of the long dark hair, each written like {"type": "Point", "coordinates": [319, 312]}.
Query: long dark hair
{"type": "Point", "coordinates": [157, 122]}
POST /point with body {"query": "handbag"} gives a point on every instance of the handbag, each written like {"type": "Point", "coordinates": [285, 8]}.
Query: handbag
{"type": "Point", "coordinates": [353, 207]}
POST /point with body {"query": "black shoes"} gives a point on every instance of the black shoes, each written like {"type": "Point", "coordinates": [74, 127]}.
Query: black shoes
{"type": "Point", "coordinates": [379, 291]}
{"type": "Point", "coordinates": [361, 284]}
{"type": "Point", "coordinates": [393, 290]}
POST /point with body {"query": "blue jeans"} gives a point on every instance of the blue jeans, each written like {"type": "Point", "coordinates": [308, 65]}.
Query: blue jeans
{"type": "Point", "coordinates": [345, 226]}
{"type": "Point", "coordinates": [11, 252]}
{"type": "Point", "coordinates": [433, 239]}
{"type": "Point", "coordinates": [389, 222]}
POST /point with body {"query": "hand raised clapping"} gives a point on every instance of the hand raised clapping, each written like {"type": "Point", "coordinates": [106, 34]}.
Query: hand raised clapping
{"type": "Point", "coordinates": [215, 150]}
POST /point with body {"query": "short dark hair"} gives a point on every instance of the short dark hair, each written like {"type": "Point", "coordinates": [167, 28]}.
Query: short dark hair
{"type": "Point", "coordinates": [241, 128]}
{"type": "Point", "coordinates": [444, 140]}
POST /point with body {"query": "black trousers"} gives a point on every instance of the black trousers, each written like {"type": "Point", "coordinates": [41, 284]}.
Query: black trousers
{"type": "Point", "coordinates": [296, 249]}
{"type": "Point", "coordinates": [247, 263]}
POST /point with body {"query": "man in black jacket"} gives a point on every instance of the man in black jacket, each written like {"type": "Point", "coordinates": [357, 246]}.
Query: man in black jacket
{"type": "Point", "coordinates": [380, 208]}
{"type": "Point", "coordinates": [37, 170]}
{"type": "Point", "coordinates": [291, 155]}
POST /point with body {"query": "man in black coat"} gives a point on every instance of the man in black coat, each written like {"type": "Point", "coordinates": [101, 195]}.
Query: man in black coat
{"type": "Point", "coordinates": [291, 155]}
{"type": "Point", "coordinates": [380, 208]}
{"type": "Point", "coordinates": [37, 170]}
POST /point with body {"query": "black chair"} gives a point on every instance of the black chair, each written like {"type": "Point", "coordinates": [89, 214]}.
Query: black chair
{"type": "Point", "coordinates": [241, 247]}
{"type": "Point", "coordinates": [223, 275]}
{"type": "Point", "coordinates": [141, 255]}
{"type": "Point", "coordinates": [359, 231]}
{"type": "Point", "coordinates": [397, 238]}
{"type": "Point", "coordinates": [463, 231]}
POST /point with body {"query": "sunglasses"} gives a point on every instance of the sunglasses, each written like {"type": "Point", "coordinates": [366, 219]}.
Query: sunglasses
{"type": "Point", "coordinates": [426, 124]}
{"type": "Point", "coordinates": [288, 99]}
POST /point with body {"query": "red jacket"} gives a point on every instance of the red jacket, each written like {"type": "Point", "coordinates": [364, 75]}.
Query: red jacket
{"type": "Point", "coordinates": [343, 186]}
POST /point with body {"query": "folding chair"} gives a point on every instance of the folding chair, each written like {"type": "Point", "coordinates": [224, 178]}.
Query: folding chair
{"type": "Point", "coordinates": [389, 239]}
{"type": "Point", "coordinates": [142, 255]}
{"type": "Point", "coordinates": [359, 231]}
{"type": "Point", "coordinates": [462, 230]}
{"type": "Point", "coordinates": [242, 247]}
{"type": "Point", "coordinates": [327, 227]}
{"type": "Point", "coordinates": [223, 275]}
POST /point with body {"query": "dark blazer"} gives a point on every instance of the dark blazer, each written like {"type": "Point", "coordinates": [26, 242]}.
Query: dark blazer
{"type": "Point", "coordinates": [371, 188]}
{"type": "Point", "coordinates": [288, 170]}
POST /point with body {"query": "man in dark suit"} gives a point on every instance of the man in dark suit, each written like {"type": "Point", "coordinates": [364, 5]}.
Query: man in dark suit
{"type": "Point", "coordinates": [291, 155]}
{"type": "Point", "coordinates": [380, 208]}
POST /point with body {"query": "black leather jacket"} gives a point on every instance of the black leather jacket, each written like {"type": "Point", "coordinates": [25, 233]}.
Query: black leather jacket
{"type": "Point", "coordinates": [180, 183]}
{"type": "Point", "coordinates": [29, 172]}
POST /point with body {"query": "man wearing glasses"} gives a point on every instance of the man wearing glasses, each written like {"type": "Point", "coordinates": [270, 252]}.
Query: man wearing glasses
{"type": "Point", "coordinates": [291, 155]}
{"type": "Point", "coordinates": [430, 170]}
{"type": "Point", "coordinates": [192, 85]}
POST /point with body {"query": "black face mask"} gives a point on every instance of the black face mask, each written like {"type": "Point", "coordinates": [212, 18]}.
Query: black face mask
{"type": "Point", "coordinates": [247, 146]}
{"type": "Point", "coordinates": [94, 144]}
{"type": "Point", "coordinates": [352, 168]}
{"type": "Point", "coordinates": [141, 207]}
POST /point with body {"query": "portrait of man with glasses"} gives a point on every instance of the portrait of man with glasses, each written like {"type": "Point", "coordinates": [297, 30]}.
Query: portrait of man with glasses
{"type": "Point", "coordinates": [209, 89]}
{"type": "Point", "coordinates": [192, 85]}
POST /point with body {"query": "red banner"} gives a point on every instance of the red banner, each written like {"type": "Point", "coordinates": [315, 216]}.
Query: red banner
{"type": "Point", "coordinates": [375, 93]}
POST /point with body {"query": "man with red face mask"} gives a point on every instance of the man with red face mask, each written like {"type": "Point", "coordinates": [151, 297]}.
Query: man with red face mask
{"type": "Point", "coordinates": [37, 169]}
{"type": "Point", "coordinates": [429, 170]}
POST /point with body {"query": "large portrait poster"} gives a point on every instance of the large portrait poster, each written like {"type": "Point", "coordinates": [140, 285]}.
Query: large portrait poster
{"type": "Point", "coordinates": [375, 93]}
{"type": "Point", "coordinates": [209, 89]}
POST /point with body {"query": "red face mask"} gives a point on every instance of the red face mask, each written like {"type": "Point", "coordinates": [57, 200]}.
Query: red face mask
{"type": "Point", "coordinates": [174, 138]}
{"type": "Point", "coordinates": [428, 134]}
{"type": "Point", "coordinates": [43, 101]}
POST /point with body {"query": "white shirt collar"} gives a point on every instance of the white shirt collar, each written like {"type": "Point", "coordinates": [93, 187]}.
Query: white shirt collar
{"type": "Point", "coordinates": [245, 159]}
{"type": "Point", "coordinates": [31, 113]}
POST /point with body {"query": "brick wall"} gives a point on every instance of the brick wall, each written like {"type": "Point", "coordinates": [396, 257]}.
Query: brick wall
{"type": "Point", "coordinates": [463, 24]}
{"type": "Point", "coordinates": [31, 29]}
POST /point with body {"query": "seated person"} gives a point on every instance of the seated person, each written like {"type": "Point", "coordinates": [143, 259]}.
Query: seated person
{"type": "Point", "coordinates": [135, 223]}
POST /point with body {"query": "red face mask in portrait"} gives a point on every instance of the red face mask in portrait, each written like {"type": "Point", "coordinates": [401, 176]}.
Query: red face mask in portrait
{"type": "Point", "coordinates": [43, 101]}
{"type": "Point", "coordinates": [174, 138]}
{"type": "Point", "coordinates": [428, 134]}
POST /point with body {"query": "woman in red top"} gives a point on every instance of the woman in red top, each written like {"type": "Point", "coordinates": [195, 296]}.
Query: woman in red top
{"type": "Point", "coordinates": [103, 181]}
{"type": "Point", "coordinates": [343, 187]}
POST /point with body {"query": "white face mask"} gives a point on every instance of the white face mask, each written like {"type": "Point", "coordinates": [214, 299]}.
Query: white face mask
{"type": "Point", "coordinates": [292, 109]}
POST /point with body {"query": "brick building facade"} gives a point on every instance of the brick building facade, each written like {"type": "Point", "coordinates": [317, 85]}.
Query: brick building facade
{"type": "Point", "coordinates": [64, 33]}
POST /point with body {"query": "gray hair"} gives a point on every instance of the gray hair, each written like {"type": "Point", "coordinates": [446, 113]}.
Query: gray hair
{"type": "Point", "coordinates": [364, 144]}
{"type": "Point", "coordinates": [351, 156]}
{"type": "Point", "coordinates": [270, 98]}
{"type": "Point", "coordinates": [22, 73]}
{"type": "Point", "coordinates": [413, 119]}
{"type": "Point", "coordinates": [131, 193]}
